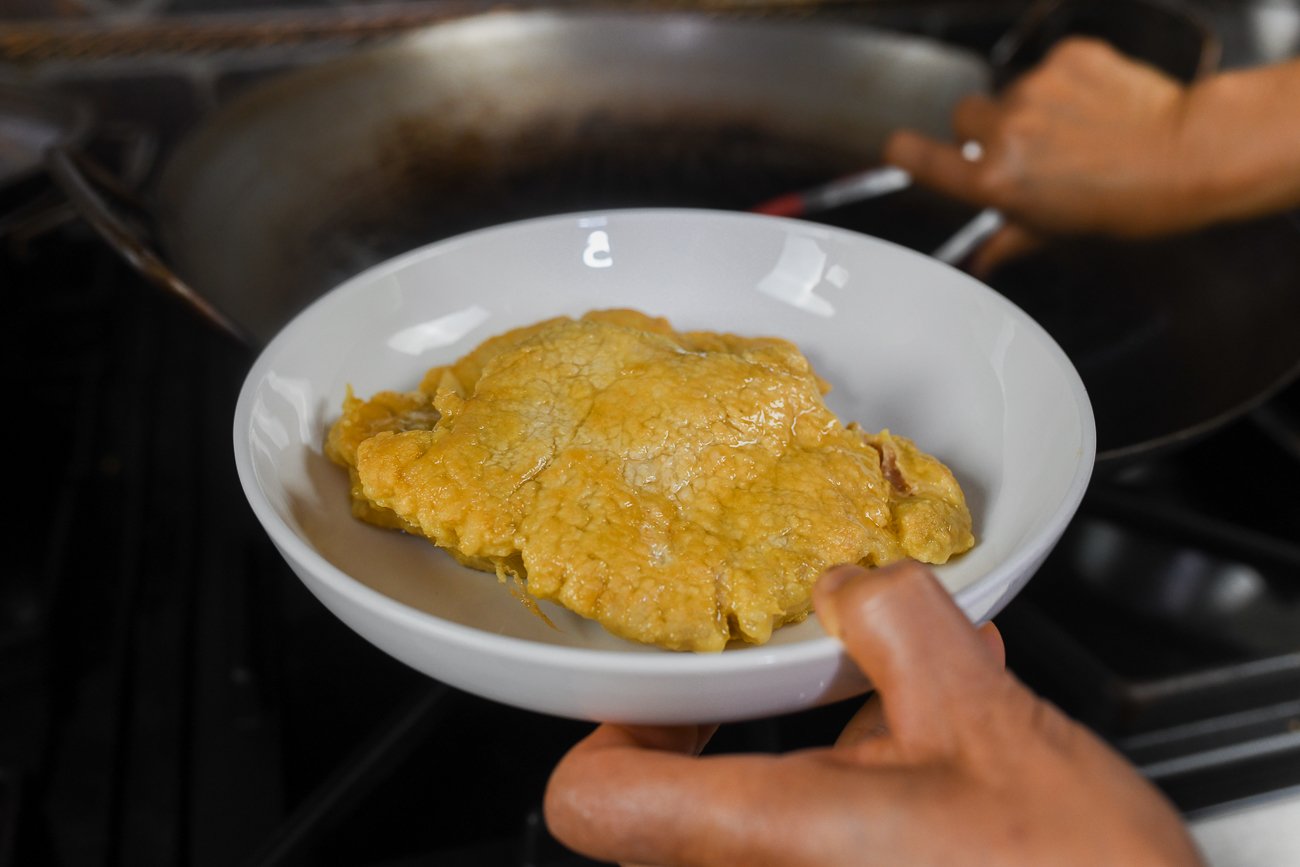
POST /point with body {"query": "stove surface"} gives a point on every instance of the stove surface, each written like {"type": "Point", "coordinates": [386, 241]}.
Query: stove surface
{"type": "Point", "coordinates": [174, 695]}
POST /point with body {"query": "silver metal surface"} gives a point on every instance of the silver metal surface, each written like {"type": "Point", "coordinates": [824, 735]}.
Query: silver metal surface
{"type": "Point", "coordinates": [245, 200]}
{"type": "Point", "coordinates": [965, 240]}
{"type": "Point", "coordinates": [1262, 832]}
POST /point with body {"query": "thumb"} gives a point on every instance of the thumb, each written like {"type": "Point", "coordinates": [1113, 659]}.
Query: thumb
{"type": "Point", "coordinates": [929, 665]}
{"type": "Point", "coordinates": [1010, 242]}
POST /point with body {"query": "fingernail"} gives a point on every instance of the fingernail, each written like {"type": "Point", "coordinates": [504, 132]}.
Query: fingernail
{"type": "Point", "coordinates": [827, 586]}
{"type": "Point", "coordinates": [835, 577]}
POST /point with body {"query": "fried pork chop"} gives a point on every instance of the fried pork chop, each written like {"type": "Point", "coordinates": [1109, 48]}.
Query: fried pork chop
{"type": "Point", "coordinates": [682, 489]}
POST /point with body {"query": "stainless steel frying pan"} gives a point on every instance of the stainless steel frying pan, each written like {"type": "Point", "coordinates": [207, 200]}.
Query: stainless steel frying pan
{"type": "Point", "coordinates": [317, 175]}
{"type": "Point", "coordinates": [320, 174]}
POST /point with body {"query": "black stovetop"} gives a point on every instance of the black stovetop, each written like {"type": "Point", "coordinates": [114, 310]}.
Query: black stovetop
{"type": "Point", "coordinates": [172, 694]}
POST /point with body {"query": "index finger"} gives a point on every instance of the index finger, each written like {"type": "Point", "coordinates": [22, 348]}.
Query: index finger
{"type": "Point", "coordinates": [934, 164]}
{"type": "Point", "coordinates": [622, 796]}
{"type": "Point", "coordinates": [613, 799]}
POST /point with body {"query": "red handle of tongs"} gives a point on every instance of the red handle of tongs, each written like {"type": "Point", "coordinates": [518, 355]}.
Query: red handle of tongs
{"type": "Point", "coordinates": [841, 191]}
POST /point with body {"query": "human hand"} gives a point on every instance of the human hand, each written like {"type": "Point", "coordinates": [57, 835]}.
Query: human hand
{"type": "Point", "coordinates": [1089, 141]}
{"type": "Point", "coordinates": [953, 762]}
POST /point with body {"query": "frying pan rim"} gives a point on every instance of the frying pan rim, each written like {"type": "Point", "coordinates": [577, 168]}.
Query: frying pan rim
{"type": "Point", "coordinates": [1122, 456]}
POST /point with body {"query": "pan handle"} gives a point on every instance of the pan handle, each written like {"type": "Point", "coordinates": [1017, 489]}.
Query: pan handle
{"type": "Point", "coordinates": [81, 180]}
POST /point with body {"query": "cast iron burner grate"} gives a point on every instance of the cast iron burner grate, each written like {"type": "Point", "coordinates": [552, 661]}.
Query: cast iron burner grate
{"type": "Point", "coordinates": [1168, 618]}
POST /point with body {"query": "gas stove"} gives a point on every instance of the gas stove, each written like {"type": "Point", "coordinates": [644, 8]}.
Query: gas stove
{"type": "Point", "coordinates": [173, 695]}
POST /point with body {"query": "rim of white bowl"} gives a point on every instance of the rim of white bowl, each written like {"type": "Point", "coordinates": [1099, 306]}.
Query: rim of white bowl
{"type": "Point", "coordinates": [815, 650]}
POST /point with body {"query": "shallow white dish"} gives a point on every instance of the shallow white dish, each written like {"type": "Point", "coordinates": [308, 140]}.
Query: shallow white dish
{"type": "Point", "coordinates": [908, 343]}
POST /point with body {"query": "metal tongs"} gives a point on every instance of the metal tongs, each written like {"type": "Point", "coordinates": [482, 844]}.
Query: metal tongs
{"type": "Point", "coordinates": [882, 181]}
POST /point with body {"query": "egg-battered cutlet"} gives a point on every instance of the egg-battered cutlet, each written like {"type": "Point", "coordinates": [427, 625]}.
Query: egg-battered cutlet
{"type": "Point", "coordinates": [683, 489]}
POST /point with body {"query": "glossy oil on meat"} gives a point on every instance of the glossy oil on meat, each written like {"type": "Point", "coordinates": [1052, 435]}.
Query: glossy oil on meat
{"type": "Point", "coordinates": [682, 489]}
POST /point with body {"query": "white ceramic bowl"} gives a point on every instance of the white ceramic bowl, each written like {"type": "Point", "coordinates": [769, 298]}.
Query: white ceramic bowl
{"type": "Point", "coordinates": [908, 343]}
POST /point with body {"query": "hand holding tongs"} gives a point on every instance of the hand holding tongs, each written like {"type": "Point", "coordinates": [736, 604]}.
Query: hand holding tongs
{"type": "Point", "coordinates": [1045, 22]}
{"type": "Point", "coordinates": [1021, 48]}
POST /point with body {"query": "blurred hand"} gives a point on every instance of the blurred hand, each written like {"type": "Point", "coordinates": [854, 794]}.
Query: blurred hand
{"type": "Point", "coordinates": [1085, 143]}
{"type": "Point", "coordinates": [952, 762]}
{"type": "Point", "coordinates": [1091, 141]}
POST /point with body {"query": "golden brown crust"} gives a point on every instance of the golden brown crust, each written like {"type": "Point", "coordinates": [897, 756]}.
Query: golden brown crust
{"type": "Point", "coordinates": [682, 489]}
